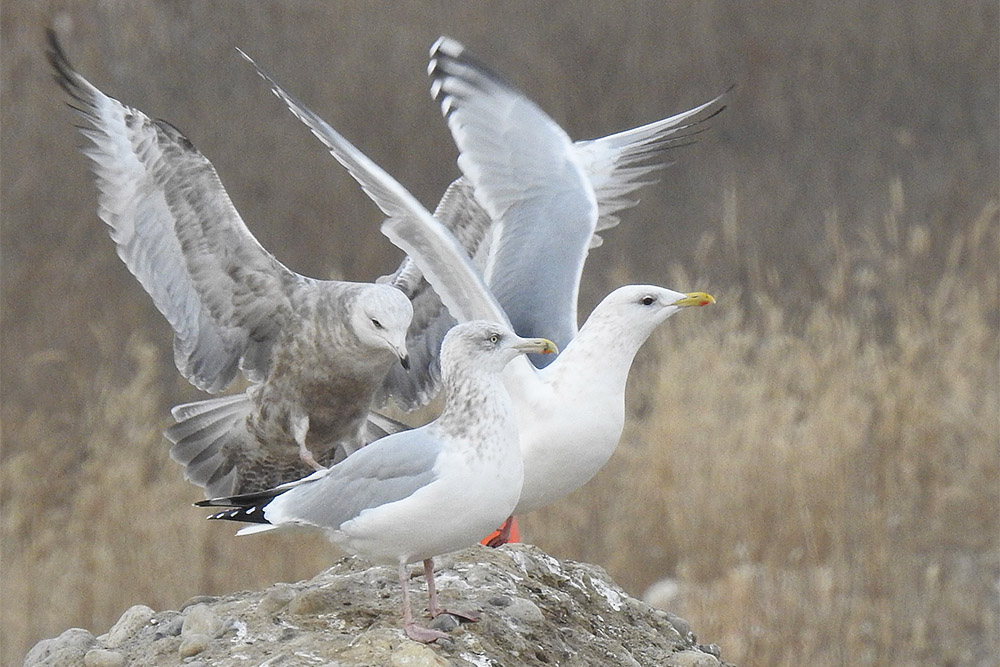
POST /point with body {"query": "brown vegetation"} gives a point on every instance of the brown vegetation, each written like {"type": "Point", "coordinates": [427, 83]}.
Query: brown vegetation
{"type": "Point", "coordinates": [822, 485]}
{"type": "Point", "coordinates": [814, 460]}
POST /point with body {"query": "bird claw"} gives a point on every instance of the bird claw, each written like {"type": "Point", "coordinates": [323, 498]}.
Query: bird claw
{"type": "Point", "coordinates": [503, 534]}
{"type": "Point", "coordinates": [497, 540]}
{"type": "Point", "coordinates": [308, 459]}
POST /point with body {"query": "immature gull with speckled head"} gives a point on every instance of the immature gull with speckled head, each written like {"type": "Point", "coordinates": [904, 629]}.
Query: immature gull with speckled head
{"type": "Point", "coordinates": [316, 351]}
{"type": "Point", "coordinates": [417, 494]}
{"type": "Point", "coordinates": [540, 191]}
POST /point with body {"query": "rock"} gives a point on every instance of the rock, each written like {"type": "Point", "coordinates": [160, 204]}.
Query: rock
{"type": "Point", "coordinates": [275, 600]}
{"type": "Point", "coordinates": [534, 610]}
{"type": "Point", "coordinates": [200, 620]}
{"type": "Point", "coordinates": [692, 658]}
{"type": "Point", "coordinates": [679, 624]}
{"type": "Point", "coordinates": [66, 650]}
{"type": "Point", "coordinates": [523, 612]}
{"type": "Point", "coordinates": [193, 644]}
{"type": "Point", "coordinates": [413, 654]}
{"type": "Point", "coordinates": [445, 623]}
{"type": "Point", "coordinates": [133, 620]}
{"type": "Point", "coordinates": [169, 627]}
{"type": "Point", "coordinates": [312, 602]}
{"type": "Point", "coordinates": [102, 657]}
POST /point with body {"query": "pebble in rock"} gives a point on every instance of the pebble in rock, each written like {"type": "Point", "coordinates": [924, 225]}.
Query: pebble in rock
{"type": "Point", "coordinates": [444, 623]}
{"type": "Point", "coordinates": [170, 627]}
{"type": "Point", "coordinates": [692, 658]}
{"type": "Point", "coordinates": [524, 611]}
{"type": "Point", "coordinates": [101, 657]}
{"type": "Point", "coordinates": [416, 655]}
{"type": "Point", "coordinates": [275, 600]}
{"type": "Point", "coordinates": [200, 620]}
{"type": "Point", "coordinates": [193, 644]}
{"type": "Point", "coordinates": [312, 602]}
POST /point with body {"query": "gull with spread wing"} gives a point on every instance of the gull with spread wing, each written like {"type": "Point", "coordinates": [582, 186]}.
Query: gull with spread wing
{"type": "Point", "coordinates": [315, 351]}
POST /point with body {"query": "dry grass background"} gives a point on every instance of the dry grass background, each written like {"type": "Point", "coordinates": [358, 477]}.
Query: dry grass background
{"type": "Point", "coordinates": [814, 461]}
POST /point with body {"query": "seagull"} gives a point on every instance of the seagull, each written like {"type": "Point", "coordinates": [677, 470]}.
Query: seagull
{"type": "Point", "coordinates": [314, 351]}
{"type": "Point", "coordinates": [533, 189]}
{"type": "Point", "coordinates": [548, 196]}
{"type": "Point", "coordinates": [420, 493]}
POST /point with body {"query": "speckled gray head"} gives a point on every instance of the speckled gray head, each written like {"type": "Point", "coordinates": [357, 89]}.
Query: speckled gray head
{"type": "Point", "coordinates": [488, 345]}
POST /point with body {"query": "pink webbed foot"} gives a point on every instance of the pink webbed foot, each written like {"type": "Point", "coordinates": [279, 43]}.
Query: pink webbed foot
{"type": "Point", "coordinates": [421, 634]}
{"type": "Point", "coordinates": [308, 459]}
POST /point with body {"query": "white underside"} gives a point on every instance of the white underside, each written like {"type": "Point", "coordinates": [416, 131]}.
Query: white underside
{"type": "Point", "coordinates": [467, 501]}
{"type": "Point", "coordinates": [569, 428]}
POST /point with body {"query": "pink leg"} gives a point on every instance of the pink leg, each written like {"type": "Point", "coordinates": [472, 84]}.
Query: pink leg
{"type": "Point", "coordinates": [300, 427]}
{"type": "Point", "coordinates": [432, 602]}
{"type": "Point", "coordinates": [410, 627]}
{"type": "Point", "coordinates": [503, 537]}
{"type": "Point", "coordinates": [432, 605]}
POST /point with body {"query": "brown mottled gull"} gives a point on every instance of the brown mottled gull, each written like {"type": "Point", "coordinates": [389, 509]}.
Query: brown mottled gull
{"type": "Point", "coordinates": [316, 351]}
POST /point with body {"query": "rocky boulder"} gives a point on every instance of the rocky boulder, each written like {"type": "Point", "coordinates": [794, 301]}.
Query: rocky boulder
{"type": "Point", "coordinates": [534, 610]}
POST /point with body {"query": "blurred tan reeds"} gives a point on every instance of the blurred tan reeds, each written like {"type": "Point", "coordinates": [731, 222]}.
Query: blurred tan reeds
{"type": "Point", "coordinates": [819, 480]}
{"type": "Point", "coordinates": [821, 484]}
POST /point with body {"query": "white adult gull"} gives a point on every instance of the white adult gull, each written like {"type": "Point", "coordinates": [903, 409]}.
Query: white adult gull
{"type": "Point", "coordinates": [315, 351]}
{"type": "Point", "coordinates": [548, 196]}
{"type": "Point", "coordinates": [417, 494]}
{"type": "Point", "coordinates": [570, 412]}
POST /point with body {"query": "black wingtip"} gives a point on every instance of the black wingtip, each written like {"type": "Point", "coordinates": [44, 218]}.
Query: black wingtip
{"type": "Point", "coordinates": [57, 58]}
{"type": "Point", "coordinates": [64, 74]}
{"type": "Point", "coordinates": [252, 514]}
{"type": "Point", "coordinates": [448, 57]}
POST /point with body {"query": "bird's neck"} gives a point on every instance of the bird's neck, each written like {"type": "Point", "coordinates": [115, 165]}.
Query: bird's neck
{"type": "Point", "coordinates": [485, 398]}
{"type": "Point", "coordinates": [603, 350]}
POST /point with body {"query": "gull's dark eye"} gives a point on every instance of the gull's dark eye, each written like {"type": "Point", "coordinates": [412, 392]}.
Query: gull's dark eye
{"type": "Point", "coordinates": [495, 338]}
{"type": "Point", "coordinates": [376, 324]}
{"type": "Point", "coordinates": [647, 300]}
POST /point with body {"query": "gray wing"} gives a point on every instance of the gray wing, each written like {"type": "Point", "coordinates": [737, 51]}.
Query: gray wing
{"type": "Point", "coordinates": [178, 232]}
{"type": "Point", "coordinates": [547, 195]}
{"type": "Point", "coordinates": [434, 252]}
{"type": "Point", "coordinates": [385, 471]}
{"type": "Point", "coordinates": [525, 175]}
{"type": "Point", "coordinates": [619, 164]}
{"type": "Point", "coordinates": [468, 222]}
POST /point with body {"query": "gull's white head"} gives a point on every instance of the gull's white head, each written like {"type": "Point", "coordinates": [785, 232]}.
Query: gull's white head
{"type": "Point", "coordinates": [636, 310]}
{"type": "Point", "coordinates": [487, 346]}
{"type": "Point", "coordinates": [380, 318]}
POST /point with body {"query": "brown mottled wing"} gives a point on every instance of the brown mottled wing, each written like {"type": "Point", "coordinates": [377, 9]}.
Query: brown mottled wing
{"type": "Point", "coordinates": [178, 232]}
